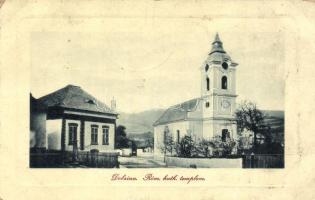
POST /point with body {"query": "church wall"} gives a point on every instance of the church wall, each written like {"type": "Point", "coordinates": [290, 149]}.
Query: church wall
{"type": "Point", "coordinates": [207, 129]}
{"type": "Point", "coordinates": [219, 125]}
{"type": "Point", "coordinates": [182, 126]}
{"type": "Point", "coordinates": [195, 128]}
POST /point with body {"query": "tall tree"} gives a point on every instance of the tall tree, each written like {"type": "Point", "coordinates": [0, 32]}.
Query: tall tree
{"type": "Point", "coordinates": [121, 140]}
{"type": "Point", "coordinates": [250, 118]}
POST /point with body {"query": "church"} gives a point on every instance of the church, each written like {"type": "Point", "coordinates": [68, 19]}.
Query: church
{"type": "Point", "coordinates": [211, 114]}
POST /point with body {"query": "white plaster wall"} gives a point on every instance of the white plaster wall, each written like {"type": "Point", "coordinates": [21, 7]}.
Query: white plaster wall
{"type": "Point", "coordinates": [207, 129]}
{"type": "Point", "coordinates": [53, 129]}
{"type": "Point", "coordinates": [196, 128]}
{"type": "Point", "coordinates": [100, 146]}
{"type": "Point", "coordinates": [218, 125]}
{"type": "Point", "coordinates": [182, 126]}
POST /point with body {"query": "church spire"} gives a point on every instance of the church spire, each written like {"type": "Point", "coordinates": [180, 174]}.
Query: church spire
{"type": "Point", "coordinates": [217, 45]}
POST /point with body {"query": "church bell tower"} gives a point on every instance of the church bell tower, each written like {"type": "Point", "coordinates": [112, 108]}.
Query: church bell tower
{"type": "Point", "coordinates": [218, 93]}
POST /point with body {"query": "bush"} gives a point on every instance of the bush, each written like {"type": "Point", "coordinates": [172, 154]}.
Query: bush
{"type": "Point", "coordinates": [186, 147]}
{"type": "Point", "coordinates": [222, 148]}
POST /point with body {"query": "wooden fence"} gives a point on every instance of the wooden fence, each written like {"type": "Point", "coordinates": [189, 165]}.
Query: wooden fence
{"type": "Point", "coordinates": [65, 159]}
{"type": "Point", "coordinates": [263, 161]}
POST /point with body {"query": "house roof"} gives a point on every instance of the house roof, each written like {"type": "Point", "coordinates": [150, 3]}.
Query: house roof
{"type": "Point", "coordinates": [74, 97]}
{"type": "Point", "coordinates": [177, 112]}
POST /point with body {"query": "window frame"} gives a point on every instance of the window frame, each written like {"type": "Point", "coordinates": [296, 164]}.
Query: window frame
{"type": "Point", "coordinates": [94, 135]}
{"type": "Point", "coordinates": [208, 83]}
{"type": "Point", "coordinates": [71, 136]}
{"type": "Point", "coordinates": [207, 104]}
{"type": "Point", "coordinates": [225, 134]}
{"type": "Point", "coordinates": [105, 135]}
{"type": "Point", "coordinates": [178, 136]}
{"type": "Point", "coordinates": [224, 83]}
{"type": "Point", "coordinates": [206, 67]}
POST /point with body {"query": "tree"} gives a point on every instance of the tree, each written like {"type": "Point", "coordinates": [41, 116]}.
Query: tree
{"type": "Point", "coordinates": [250, 118]}
{"type": "Point", "coordinates": [121, 140]}
{"type": "Point", "coordinates": [186, 147]}
{"type": "Point", "coordinates": [168, 142]}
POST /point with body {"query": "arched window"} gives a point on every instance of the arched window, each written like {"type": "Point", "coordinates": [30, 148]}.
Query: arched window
{"type": "Point", "coordinates": [178, 136]}
{"type": "Point", "coordinates": [206, 67]}
{"type": "Point", "coordinates": [224, 82]}
{"type": "Point", "coordinates": [208, 83]}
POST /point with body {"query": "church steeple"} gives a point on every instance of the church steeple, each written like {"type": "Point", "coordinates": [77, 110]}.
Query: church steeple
{"type": "Point", "coordinates": [217, 45]}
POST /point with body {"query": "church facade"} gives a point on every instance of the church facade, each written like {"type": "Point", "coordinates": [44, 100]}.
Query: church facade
{"type": "Point", "coordinates": [211, 114]}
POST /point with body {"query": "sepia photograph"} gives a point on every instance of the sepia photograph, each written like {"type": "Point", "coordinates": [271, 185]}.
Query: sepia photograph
{"type": "Point", "coordinates": [150, 100]}
{"type": "Point", "coordinates": [123, 99]}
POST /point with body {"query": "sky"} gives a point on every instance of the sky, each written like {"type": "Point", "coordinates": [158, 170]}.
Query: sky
{"type": "Point", "coordinates": [150, 64]}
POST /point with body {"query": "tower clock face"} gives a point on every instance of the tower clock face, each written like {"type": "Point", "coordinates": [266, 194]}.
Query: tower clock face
{"type": "Point", "coordinates": [226, 104]}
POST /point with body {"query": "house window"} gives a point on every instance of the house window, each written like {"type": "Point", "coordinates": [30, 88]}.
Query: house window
{"type": "Point", "coordinates": [178, 136]}
{"type": "Point", "coordinates": [105, 135]}
{"type": "Point", "coordinates": [208, 83]}
{"type": "Point", "coordinates": [224, 82]}
{"type": "Point", "coordinates": [225, 135]}
{"type": "Point", "coordinates": [72, 133]}
{"type": "Point", "coordinates": [94, 133]}
{"type": "Point", "coordinates": [207, 104]}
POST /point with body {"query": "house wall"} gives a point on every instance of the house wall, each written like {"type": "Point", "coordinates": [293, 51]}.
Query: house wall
{"type": "Point", "coordinates": [54, 136]}
{"type": "Point", "coordinates": [53, 128]}
{"type": "Point", "coordinates": [38, 129]}
{"type": "Point", "coordinates": [100, 146]}
{"type": "Point", "coordinates": [67, 122]}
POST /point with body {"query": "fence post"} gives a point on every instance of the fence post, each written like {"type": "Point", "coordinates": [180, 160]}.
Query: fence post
{"type": "Point", "coordinates": [252, 164]}
{"type": "Point", "coordinates": [243, 160]}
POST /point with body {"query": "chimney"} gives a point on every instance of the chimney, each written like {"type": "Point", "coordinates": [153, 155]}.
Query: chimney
{"type": "Point", "coordinates": [113, 104]}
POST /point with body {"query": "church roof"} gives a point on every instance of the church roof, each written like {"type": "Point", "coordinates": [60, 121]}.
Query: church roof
{"type": "Point", "coordinates": [217, 45]}
{"type": "Point", "coordinates": [74, 97]}
{"type": "Point", "coordinates": [177, 112]}
{"type": "Point", "coordinates": [217, 53]}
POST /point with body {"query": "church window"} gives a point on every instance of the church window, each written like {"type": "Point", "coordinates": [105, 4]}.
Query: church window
{"type": "Point", "coordinates": [208, 83]}
{"type": "Point", "coordinates": [178, 136]}
{"type": "Point", "coordinates": [225, 65]}
{"type": "Point", "coordinates": [225, 135]}
{"type": "Point", "coordinates": [207, 104]}
{"type": "Point", "coordinates": [224, 82]}
{"type": "Point", "coordinates": [206, 67]}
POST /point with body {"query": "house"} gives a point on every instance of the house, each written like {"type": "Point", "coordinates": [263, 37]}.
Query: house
{"type": "Point", "coordinates": [77, 120]}
{"type": "Point", "coordinates": [212, 113]}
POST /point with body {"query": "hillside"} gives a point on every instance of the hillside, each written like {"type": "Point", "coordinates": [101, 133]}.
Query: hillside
{"type": "Point", "coordinates": [138, 123]}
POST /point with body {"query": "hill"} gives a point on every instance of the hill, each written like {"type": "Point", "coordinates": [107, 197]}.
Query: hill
{"type": "Point", "coordinates": [139, 123]}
